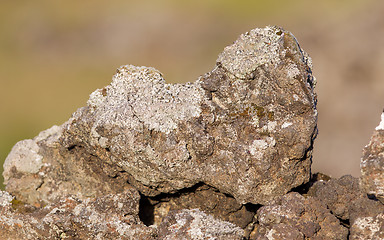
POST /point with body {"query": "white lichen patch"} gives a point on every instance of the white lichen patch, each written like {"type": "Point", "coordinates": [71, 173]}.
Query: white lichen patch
{"type": "Point", "coordinates": [140, 95]}
{"type": "Point", "coordinates": [369, 225]}
{"type": "Point", "coordinates": [204, 226]}
{"type": "Point", "coordinates": [24, 157]}
{"type": "Point", "coordinates": [292, 71]}
{"type": "Point", "coordinates": [381, 125]}
{"type": "Point", "coordinates": [255, 48]}
{"type": "Point", "coordinates": [286, 124]}
{"type": "Point", "coordinates": [5, 198]}
{"type": "Point", "coordinates": [270, 234]}
{"type": "Point", "coordinates": [258, 146]}
{"type": "Point", "coordinates": [271, 125]}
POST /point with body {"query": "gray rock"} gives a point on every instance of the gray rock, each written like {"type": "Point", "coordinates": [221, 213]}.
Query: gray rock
{"type": "Point", "coordinates": [108, 217]}
{"type": "Point", "coordinates": [246, 128]}
{"type": "Point", "coordinates": [372, 164]}
{"type": "Point", "coordinates": [296, 217]}
{"type": "Point", "coordinates": [195, 224]}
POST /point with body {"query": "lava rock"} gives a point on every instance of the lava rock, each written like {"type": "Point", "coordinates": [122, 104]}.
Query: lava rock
{"type": "Point", "coordinates": [366, 219]}
{"type": "Point", "coordinates": [338, 194]}
{"type": "Point", "coordinates": [107, 217]}
{"type": "Point", "coordinates": [206, 199]}
{"type": "Point", "coordinates": [372, 164]}
{"type": "Point", "coordinates": [194, 224]}
{"type": "Point", "coordinates": [246, 128]}
{"type": "Point", "coordinates": [296, 217]}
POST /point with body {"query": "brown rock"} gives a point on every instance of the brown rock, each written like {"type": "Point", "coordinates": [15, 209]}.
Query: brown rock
{"type": "Point", "coordinates": [206, 199]}
{"type": "Point", "coordinates": [296, 217]}
{"type": "Point", "coordinates": [366, 219]}
{"type": "Point", "coordinates": [338, 194]}
{"type": "Point", "coordinates": [372, 164]}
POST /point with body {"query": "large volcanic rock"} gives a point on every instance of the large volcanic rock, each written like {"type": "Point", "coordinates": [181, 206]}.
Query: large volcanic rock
{"type": "Point", "coordinates": [246, 128]}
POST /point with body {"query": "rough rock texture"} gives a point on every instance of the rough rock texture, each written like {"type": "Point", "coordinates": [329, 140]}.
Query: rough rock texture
{"type": "Point", "coordinates": [337, 194]}
{"type": "Point", "coordinates": [366, 219]}
{"type": "Point", "coordinates": [346, 200]}
{"type": "Point", "coordinates": [296, 217]}
{"type": "Point", "coordinates": [142, 152]}
{"type": "Point", "coordinates": [372, 163]}
{"type": "Point", "coordinates": [246, 128]}
{"type": "Point", "coordinates": [107, 217]}
{"type": "Point", "coordinates": [207, 199]}
{"type": "Point", "coordinates": [194, 224]}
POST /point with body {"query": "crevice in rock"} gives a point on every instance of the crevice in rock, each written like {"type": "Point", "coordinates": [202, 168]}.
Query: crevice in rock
{"type": "Point", "coordinates": [70, 148]}
{"type": "Point", "coordinates": [304, 188]}
{"type": "Point", "coordinates": [345, 223]}
{"type": "Point", "coordinates": [146, 211]}
{"type": "Point", "coordinates": [153, 210]}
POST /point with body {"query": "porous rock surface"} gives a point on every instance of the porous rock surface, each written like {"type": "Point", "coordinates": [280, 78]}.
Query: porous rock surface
{"type": "Point", "coordinates": [296, 217]}
{"type": "Point", "coordinates": [213, 159]}
{"type": "Point", "coordinates": [150, 160]}
{"type": "Point", "coordinates": [113, 216]}
{"type": "Point", "coordinates": [194, 224]}
{"type": "Point", "coordinates": [338, 194]}
{"type": "Point", "coordinates": [372, 163]}
{"type": "Point", "coordinates": [246, 128]}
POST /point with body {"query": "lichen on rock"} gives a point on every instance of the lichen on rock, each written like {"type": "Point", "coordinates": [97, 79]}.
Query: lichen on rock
{"type": "Point", "coordinates": [245, 128]}
{"type": "Point", "coordinates": [241, 134]}
{"type": "Point", "coordinates": [372, 163]}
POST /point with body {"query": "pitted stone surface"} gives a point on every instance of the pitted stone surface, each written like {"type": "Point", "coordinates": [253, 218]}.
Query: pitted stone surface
{"type": "Point", "coordinates": [372, 164]}
{"type": "Point", "coordinates": [246, 128]}
{"type": "Point", "coordinates": [108, 217]}
{"type": "Point", "coordinates": [338, 194]}
{"type": "Point", "coordinates": [194, 224]}
{"type": "Point", "coordinates": [296, 217]}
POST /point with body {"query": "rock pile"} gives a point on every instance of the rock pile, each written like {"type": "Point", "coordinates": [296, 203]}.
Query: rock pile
{"type": "Point", "coordinates": [225, 157]}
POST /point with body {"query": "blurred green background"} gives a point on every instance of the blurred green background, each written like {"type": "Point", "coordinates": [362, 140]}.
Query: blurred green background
{"type": "Point", "coordinates": [53, 54]}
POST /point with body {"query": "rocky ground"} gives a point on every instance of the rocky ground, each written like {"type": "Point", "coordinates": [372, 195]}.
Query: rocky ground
{"type": "Point", "coordinates": [226, 157]}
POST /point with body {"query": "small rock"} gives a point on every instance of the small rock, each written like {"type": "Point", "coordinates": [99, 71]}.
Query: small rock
{"type": "Point", "coordinates": [296, 217]}
{"type": "Point", "coordinates": [337, 194]}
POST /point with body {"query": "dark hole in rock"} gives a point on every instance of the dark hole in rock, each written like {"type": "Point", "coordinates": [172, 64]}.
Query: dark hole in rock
{"type": "Point", "coordinates": [345, 223]}
{"type": "Point", "coordinates": [70, 148]}
{"type": "Point", "coordinates": [146, 211]}
{"type": "Point", "coordinates": [372, 197]}
{"type": "Point", "coordinates": [304, 188]}
{"type": "Point", "coordinates": [153, 210]}
{"type": "Point", "coordinates": [252, 207]}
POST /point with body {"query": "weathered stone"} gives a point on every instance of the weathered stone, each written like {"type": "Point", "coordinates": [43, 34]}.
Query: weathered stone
{"type": "Point", "coordinates": [296, 217]}
{"type": "Point", "coordinates": [61, 171]}
{"type": "Point", "coordinates": [366, 219]}
{"type": "Point", "coordinates": [108, 217]}
{"type": "Point", "coordinates": [337, 194]}
{"type": "Point", "coordinates": [246, 128]}
{"type": "Point", "coordinates": [205, 198]}
{"type": "Point", "coordinates": [194, 224]}
{"type": "Point", "coordinates": [372, 164]}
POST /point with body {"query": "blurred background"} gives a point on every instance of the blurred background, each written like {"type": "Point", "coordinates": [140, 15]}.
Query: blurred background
{"type": "Point", "coordinates": [53, 54]}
